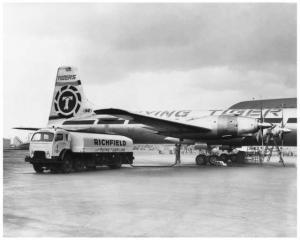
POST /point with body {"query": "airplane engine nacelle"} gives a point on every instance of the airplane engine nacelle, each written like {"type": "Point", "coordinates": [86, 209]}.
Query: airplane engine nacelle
{"type": "Point", "coordinates": [235, 126]}
{"type": "Point", "coordinates": [228, 126]}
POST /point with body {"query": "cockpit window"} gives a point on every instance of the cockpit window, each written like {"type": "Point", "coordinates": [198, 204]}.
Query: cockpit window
{"type": "Point", "coordinates": [42, 137]}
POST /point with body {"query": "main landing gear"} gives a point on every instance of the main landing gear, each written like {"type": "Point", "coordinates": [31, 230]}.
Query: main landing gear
{"type": "Point", "coordinates": [203, 159]}
{"type": "Point", "coordinates": [209, 158]}
{"type": "Point", "coordinates": [218, 159]}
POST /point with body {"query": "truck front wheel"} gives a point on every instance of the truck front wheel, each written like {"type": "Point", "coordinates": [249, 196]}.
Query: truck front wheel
{"type": "Point", "coordinates": [38, 168]}
{"type": "Point", "coordinates": [67, 165]}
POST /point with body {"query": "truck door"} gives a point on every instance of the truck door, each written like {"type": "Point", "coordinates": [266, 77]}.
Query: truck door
{"type": "Point", "coordinates": [60, 143]}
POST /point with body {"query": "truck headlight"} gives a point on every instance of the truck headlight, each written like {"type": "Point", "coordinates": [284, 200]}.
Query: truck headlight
{"type": "Point", "coordinates": [31, 153]}
{"type": "Point", "coordinates": [47, 154]}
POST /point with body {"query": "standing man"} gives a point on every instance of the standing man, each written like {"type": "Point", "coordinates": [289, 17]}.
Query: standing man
{"type": "Point", "coordinates": [177, 153]}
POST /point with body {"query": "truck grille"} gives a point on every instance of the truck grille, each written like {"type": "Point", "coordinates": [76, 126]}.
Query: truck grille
{"type": "Point", "coordinates": [39, 154]}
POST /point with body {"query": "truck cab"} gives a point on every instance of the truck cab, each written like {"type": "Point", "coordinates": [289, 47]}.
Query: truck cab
{"type": "Point", "coordinates": [49, 143]}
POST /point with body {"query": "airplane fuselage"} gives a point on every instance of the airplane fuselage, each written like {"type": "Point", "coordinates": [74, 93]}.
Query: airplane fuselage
{"type": "Point", "coordinates": [141, 133]}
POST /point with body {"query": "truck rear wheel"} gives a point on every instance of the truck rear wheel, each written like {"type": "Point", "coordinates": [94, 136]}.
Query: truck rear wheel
{"type": "Point", "coordinates": [67, 165]}
{"type": "Point", "coordinates": [38, 168]}
{"type": "Point", "coordinates": [233, 158]}
{"type": "Point", "coordinates": [116, 162]}
{"type": "Point", "coordinates": [79, 165]}
{"type": "Point", "coordinates": [91, 168]}
{"type": "Point", "coordinates": [54, 169]}
{"type": "Point", "coordinates": [115, 166]}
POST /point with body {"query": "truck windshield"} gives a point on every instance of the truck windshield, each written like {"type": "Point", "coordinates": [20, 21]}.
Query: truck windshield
{"type": "Point", "coordinates": [42, 137]}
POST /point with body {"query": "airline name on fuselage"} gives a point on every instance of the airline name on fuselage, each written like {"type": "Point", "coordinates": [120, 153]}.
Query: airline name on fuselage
{"type": "Point", "coordinates": [66, 77]}
{"type": "Point", "coordinates": [274, 112]}
{"type": "Point", "coordinates": [109, 142]}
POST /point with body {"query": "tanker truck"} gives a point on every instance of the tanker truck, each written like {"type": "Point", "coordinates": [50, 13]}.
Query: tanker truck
{"type": "Point", "coordinates": [59, 150]}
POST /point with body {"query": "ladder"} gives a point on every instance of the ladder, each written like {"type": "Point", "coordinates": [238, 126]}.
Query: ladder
{"type": "Point", "coordinates": [268, 152]}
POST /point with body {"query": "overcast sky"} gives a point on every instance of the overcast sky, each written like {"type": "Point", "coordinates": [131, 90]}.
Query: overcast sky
{"type": "Point", "coordinates": [147, 56]}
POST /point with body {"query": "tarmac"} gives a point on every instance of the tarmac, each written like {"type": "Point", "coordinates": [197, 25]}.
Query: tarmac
{"type": "Point", "coordinates": [242, 200]}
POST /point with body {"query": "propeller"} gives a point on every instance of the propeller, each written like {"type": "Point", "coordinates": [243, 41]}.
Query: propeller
{"type": "Point", "coordinates": [282, 129]}
{"type": "Point", "coordinates": [261, 126]}
{"type": "Point", "coordinates": [277, 131]}
{"type": "Point", "coordinates": [272, 133]}
{"type": "Point", "coordinates": [259, 134]}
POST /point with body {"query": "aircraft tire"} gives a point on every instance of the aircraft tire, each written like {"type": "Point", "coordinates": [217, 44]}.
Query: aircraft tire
{"type": "Point", "coordinates": [224, 157]}
{"type": "Point", "coordinates": [67, 165]}
{"type": "Point", "coordinates": [201, 159]}
{"type": "Point", "coordinates": [213, 159]}
{"type": "Point", "coordinates": [38, 168]}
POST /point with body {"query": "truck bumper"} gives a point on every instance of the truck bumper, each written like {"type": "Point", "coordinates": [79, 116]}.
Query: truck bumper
{"type": "Point", "coordinates": [53, 160]}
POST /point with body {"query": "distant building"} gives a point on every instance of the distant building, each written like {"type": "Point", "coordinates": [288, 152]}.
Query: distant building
{"type": "Point", "coordinates": [6, 143]}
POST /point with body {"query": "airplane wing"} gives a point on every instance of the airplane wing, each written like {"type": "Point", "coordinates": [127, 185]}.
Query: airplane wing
{"type": "Point", "coordinates": [162, 126]}
{"type": "Point", "coordinates": [27, 128]}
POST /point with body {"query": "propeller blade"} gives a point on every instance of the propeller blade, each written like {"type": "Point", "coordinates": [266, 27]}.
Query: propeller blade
{"type": "Point", "coordinates": [282, 126]}
{"type": "Point", "coordinates": [263, 125]}
{"type": "Point", "coordinates": [282, 129]}
{"type": "Point", "coordinates": [261, 114]}
{"type": "Point", "coordinates": [259, 135]}
{"type": "Point", "coordinates": [268, 139]}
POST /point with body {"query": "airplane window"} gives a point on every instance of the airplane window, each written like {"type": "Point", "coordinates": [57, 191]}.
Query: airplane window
{"type": "Point", "coordinates": [111, 121]}
{"type": "Point", "coordinates": [292, 120]}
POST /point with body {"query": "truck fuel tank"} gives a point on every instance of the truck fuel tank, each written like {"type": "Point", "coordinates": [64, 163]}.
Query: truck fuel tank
{"type": "Point", "coordinates": [90, 142]}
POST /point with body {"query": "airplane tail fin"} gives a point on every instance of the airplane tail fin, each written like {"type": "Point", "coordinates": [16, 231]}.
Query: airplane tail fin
{"type": "Point", "coordinates": [68, 99]}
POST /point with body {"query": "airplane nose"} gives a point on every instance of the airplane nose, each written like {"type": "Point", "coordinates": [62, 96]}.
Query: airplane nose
{"type": "Point", "coordinates": [264, 125]}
